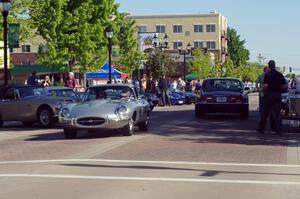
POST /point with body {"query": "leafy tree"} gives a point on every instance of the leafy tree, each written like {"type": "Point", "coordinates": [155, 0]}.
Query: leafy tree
{"type": "Point", "coordinates": [200, 65]}
{"type": "Point", "coordinates": [130, 55]}
{"type": "Point", "coordinates": [229, 69]}
{"type": "Point", "coordinates": [73, 30]}
{"type": "Point", "coordinates": [159, 63]}
{"type": "Point", "coordinates": [236, 48]}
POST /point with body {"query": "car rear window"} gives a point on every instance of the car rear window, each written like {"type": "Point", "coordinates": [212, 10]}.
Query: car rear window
{"type": "Point", "coordinates": [222, 85]}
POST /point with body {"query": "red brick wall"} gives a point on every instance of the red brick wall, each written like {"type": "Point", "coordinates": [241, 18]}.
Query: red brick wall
{"type": "Point", "coordinates": [21, 58]}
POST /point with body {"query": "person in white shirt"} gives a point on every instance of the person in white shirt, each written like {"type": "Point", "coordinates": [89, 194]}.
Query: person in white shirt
{"type": "Point", "coordinates": [294, 83]}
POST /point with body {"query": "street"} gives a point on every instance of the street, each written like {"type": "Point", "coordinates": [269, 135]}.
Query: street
{"type": "Point", "coordinates": [218, 156]}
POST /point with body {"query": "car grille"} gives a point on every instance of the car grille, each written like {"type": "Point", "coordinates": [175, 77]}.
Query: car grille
{"type": "Point", "coordinates": [90, 121]}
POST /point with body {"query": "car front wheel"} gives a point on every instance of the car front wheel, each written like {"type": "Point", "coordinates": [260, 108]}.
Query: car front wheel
{"type": "Point", "coordinates": [128, 129]}
{"type": "Point", "coordinates": [45, 117]}
{"type": "Point", "coordinates": [144, 126]}
{"type": "Point", "coordinates": [70, 133]}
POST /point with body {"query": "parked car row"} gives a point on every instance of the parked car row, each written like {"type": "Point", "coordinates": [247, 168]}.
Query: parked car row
{"type": "Point", "coordinates": [112, 106]}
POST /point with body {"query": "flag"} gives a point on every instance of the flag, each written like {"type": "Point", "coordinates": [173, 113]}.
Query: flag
{"type": "Point", "coordinates": [13, 36]}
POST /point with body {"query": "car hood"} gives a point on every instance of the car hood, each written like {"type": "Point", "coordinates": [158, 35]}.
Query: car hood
{"type": "Point", "coordinates": [221, 93]}
{"type": "Point", "coordinates": [93, 108]}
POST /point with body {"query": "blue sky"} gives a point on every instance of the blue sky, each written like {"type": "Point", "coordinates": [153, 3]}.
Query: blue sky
{"type": "Point", "coordinates": [270, 27]}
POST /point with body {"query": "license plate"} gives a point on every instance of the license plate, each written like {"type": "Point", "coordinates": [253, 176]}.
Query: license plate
{"type": "Point", "coordinates": [221, 99]}
{"type": "Point", "coordinates": [293, 123]}
{"type": "Point", "coordinates": [180, 102]}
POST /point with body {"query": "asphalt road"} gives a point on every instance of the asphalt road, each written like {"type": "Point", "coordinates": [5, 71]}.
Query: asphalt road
{"type": "Point", "coordinates": [218, 156]}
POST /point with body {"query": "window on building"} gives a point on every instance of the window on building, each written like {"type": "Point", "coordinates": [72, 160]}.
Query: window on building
{"type": "Point", "coordinates": [161, 29]}
{"type": "Point", "coordinates": [211, 44]}
{"type": "Point", "coordinates": [198, 44]}
{"type": "Point", "coordinates": [210, 28]}
{"type": "Point", "coordinates": [177, 44]}
{"type": "Point", "coordinates": [142, 28]}
{"type": "Point", "coordinates": [25, 48]}
{"type": "Point", "coordinates": [177, 29]}
{"type": "Point", "coordinates": [198, 28]}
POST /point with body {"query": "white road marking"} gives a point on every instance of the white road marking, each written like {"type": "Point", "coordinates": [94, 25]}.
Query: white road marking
{"type": "Point", "coordinates": [150, 162]}
{"type": "Point", "coordinates": [147, 179]}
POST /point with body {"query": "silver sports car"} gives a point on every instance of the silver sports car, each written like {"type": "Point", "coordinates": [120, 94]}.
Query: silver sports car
{"type": "Point", "coordinates": [106, 107]}
{"type": "Point", "coordinates": [29, 104]}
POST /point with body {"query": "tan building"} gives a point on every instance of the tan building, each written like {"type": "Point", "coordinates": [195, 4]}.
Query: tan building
{"type": "Point", "coordinates": [27, 53]}
{"type": "Point", "coordinates": [208, 31]}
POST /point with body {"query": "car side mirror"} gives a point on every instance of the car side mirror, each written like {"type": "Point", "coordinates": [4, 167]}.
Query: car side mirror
{"type": "Point", "coordinates": [247, 89]}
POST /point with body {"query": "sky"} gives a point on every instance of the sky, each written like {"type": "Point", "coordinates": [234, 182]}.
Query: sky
{"type": "Point", "coordinates": [270, 27]}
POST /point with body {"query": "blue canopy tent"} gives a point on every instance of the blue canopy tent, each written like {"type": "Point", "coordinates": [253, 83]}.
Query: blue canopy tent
{"type": "Point", "coordinates": [102, 73]}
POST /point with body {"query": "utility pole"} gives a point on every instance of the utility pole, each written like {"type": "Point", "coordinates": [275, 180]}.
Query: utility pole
{"type": "Point", "coordinates": [261, 59]}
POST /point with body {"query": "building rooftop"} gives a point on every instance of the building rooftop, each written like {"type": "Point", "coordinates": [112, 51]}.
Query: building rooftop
{"type": "Point", "coordinates": [212, 14]}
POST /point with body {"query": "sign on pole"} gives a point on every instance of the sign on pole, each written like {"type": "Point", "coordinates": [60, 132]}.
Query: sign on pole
{"type": "Point", "coordinates": [13, 35]}
{"type": "Point", "coordinates": [145, 40]}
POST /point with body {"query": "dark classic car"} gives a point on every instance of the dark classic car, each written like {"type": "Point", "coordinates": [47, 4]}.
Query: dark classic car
{"type": "Point", "coordinates": [29, 104]}
{"type": "Point", "coordinates": [223, 95]}
{"type": "Point", "coordinates": [106, 107]}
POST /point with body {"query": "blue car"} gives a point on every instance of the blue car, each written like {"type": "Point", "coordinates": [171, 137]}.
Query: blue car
{"type": "Point", "coordinates": [177, 98]}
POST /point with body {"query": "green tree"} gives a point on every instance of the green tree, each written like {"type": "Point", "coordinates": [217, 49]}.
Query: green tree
{"type": "Point", "coordinates": [237, 51]}
{"type": "Point", "coordinates": [200, 65]}
{"type": "Point", "coordinates": [130, 55]}
{"type": "Point", "coordinates": [229, 69]}
{"type": "Point", "coordinates": [159, 63]}
{"type": "Point", "coordinates": [74, 31]}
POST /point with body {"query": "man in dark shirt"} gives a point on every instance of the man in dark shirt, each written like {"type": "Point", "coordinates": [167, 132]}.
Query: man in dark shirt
{"type": "Point", "coordinates": [150, 85]}
{"type": "Point", "coordinates": [163, 87]}
{"type": "Point", "coordinates": [273, 86]}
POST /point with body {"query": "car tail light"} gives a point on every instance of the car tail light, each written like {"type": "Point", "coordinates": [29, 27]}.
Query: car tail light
{"type": "Point", "coordinates": [207, 99]}
{"type": "Point", "coordinates": [235, 99]}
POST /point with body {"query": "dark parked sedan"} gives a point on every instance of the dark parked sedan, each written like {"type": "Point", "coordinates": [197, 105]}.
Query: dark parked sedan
{"type": "Point", "coordinates": [223, 95]}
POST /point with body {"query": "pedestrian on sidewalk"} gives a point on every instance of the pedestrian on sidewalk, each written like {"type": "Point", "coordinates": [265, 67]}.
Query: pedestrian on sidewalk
{"type": "Point", "coordinates": [295, 83]}
{"type": "Point", "coordinates": [71, 82]}
{"type": "Point", "coordinates": [163, 87]}
{"type": "Point", "coordinates": [273, 85]}
{"type": "Point", "coordinates": [46, 82]}
{"type": "Point", "coordinates": [259, 86]}
{"type": "Point", "coordinates": [32, 79]}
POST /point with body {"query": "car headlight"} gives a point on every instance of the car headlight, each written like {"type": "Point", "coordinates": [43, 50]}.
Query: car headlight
{"type": "Point", "coordinates": [121, 110]}
{"type": "Point", "coordinates": [65, 112]}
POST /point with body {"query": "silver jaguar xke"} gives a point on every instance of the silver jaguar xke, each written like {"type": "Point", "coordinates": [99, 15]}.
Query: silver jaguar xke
{"type": "Point", "coordinates": [106, 107]}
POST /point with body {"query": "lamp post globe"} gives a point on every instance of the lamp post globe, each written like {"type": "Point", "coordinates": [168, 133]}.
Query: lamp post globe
{"type": "Point", "coordinates": [5, 7]}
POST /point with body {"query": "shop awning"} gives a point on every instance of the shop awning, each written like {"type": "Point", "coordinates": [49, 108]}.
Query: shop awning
{"type": "Point", "coordinates": [39, 68]}
{"type": "Point", "coordinates": [191, 76]}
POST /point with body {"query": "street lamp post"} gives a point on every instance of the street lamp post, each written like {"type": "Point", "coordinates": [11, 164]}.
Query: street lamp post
{"type": "Point", "coordinates": [161, 45]}
{"type": "Point", "coordinates": [185, 52]}
{"type": "Point", "coordinates": [109, 35]}
{"type": "Point", "coordinates": [5, 6]}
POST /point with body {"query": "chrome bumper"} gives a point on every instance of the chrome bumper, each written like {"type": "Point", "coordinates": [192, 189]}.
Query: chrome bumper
{"type": "Point", "coordinates": [111, 122]}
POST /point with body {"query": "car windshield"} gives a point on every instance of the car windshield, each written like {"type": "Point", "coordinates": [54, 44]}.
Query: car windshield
{"type": "Point", "coordinates": [32, 91]}
{"type": "Point", "coordinates": [63, 93]}
{"type": "Point", "coordinates": [222, 85]}
{"type": "Point", "coordinates": [108, 92]}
